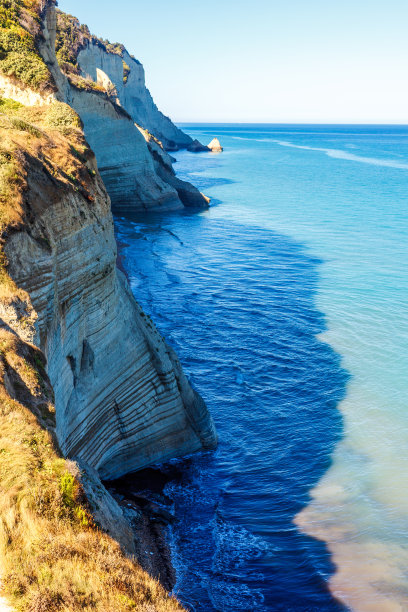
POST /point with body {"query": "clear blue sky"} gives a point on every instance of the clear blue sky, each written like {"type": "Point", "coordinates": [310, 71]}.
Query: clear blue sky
{"type": "Point", "coordinates": [264, 60]}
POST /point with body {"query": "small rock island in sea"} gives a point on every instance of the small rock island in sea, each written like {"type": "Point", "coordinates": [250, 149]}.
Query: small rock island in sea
{"type": "Point", "coordinates": [215, 146]}
{"type": "Point", "coordinates": [197, 147]}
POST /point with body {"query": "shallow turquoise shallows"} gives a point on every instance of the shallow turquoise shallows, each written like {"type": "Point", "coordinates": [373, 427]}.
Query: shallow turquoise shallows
{"type": "Point", "coordinates": [287, 304]}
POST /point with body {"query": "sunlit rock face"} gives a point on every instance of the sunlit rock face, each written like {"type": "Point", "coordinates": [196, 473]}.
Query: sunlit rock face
{"type": "Point", "coordinates": [215, 146]}
{"type": "Point", "coordinates": [128, 78]}
{"type": "Point", "coordinates": [124, 160]}
{"type": "Point", "coordinates": [122, 401]}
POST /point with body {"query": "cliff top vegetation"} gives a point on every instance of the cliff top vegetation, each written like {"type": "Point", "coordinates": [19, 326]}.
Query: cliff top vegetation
{"type": "Point", "coordinates": [72, 37]}
{"type": "Point", "coordinates": [20, 26]}
{"type": "Point", "coordinates": [53, 555]}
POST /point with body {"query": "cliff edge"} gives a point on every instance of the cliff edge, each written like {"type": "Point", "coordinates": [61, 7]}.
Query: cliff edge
{"type": "Point", "coordinates": [106, 86]}
{"type": "Point", "coordinates": [84, 374]}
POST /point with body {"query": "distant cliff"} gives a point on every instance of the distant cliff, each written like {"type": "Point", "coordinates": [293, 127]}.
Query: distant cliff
{"type": "Point", "coordinates": [84, 374]}
{"type": "Point", "coordinates": [127, 76]}
{"type": "Point", "coordinates": [118, 72]}
{"type": "Point", "coordinates": [136, 176]}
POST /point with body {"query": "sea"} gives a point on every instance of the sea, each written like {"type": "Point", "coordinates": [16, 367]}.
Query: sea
{"type": "Point", "coordinates": [286, 302]}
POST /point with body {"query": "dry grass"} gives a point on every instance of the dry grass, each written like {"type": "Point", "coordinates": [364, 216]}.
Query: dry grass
{"type": "Point", "coordinates": [50, 135]}
{"type": "Point", "coordinates": [53, 556]}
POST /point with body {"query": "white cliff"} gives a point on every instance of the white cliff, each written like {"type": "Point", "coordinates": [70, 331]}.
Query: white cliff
{"type": "Point", "coordinates": [124, 159]}
{"type": "Point", "coordinates": [80, 362]}
{"type": "Point", "coordinates": [127, 77]}
{"type": "Point", "coordinates": [122, 401]}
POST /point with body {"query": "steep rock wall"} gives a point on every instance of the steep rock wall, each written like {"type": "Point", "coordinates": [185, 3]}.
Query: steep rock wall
{"type": "Point", "coordinates": [125, 162]}
{"type": "Point", "coordinates": [132, 92]}
{"type": "Point", "coordinates": [163, 163]}
{"type": "Point", "coordinates": [122, 401]}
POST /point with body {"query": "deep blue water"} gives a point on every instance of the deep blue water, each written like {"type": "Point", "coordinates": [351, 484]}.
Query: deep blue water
{"type": "Point", "coordinates": [262, 296]}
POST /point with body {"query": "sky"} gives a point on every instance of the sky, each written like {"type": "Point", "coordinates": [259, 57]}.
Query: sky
{"type": "Point", "coordinates": [264, 61]}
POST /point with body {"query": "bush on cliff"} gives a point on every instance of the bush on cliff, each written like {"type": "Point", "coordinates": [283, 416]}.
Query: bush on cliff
{"type": "Point", "coordinates": [19, 58]}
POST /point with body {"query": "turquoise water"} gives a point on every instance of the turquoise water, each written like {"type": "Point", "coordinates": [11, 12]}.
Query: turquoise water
{"type": "Point", "coordinates": [287, 303]}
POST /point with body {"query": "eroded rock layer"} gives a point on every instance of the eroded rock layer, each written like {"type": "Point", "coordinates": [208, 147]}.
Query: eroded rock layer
{"type": "Point", "coordinates": [108, 69]}
{"type": "Point", "coordinates": [122, 400]}
{"type": "Point", "coordinates": [124, 159]}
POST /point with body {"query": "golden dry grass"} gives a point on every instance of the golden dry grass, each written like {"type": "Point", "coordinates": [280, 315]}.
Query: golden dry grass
{"type": "Point", "coordinates": [51, 135]}
{"type": "Point", "coordinates": [53, 556]}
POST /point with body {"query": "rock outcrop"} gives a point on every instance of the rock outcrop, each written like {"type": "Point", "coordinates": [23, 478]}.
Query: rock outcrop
{"type": "Point", "coordinates": [215, 146]}
{"type": "Point", "coordinates": [188, 194]}
{"type": "Point", "coordinates": [197, 147]}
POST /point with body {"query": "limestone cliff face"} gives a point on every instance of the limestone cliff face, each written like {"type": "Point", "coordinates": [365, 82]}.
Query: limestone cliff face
{"type": "Point", "coordinates": [163, 162]}
{"type": "Point", "coordinates": [124, 159]}
{"type": "Point", "coordinates": [127, 76]}
{"type": "Point", "coordinates": [122, 401]}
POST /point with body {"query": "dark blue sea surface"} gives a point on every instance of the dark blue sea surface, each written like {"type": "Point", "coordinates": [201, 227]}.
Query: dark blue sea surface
{"type": "Point", "coordinates": [244, 293]}
{"type": "Point", "coordinates": [237, 305]}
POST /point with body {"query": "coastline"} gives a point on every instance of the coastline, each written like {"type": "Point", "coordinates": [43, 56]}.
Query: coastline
{"type": "Point", "coordinates": [146, 507]}
{"type": "Point", "coordinates": [149, 512]}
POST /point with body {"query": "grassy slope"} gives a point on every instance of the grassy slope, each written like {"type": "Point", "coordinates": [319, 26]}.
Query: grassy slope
{"type": "Point", "coordinates": [53, 556]}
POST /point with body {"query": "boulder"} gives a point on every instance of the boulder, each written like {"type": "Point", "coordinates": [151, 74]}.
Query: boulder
{"type": "Point", "coordinates": [215, 146]}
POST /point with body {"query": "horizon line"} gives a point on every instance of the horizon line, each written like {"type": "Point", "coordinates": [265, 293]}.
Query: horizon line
{"type": "Point", "coordinates": [289, 123]}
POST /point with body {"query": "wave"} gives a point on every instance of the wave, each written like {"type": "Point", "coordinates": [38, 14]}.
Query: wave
{"type": "Point", "coordinates": [339, 154]}
{"type": "Point", "coordinates": [336, 153]}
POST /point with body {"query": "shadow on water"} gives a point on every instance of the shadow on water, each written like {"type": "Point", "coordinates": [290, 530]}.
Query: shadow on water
{"type": "Point", "coordinates": [238, 305]}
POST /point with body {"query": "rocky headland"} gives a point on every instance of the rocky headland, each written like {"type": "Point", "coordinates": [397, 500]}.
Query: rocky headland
{"type": "Point", "coordinates": [89, 390]}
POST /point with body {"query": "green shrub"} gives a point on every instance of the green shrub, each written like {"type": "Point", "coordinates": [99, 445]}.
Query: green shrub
{"type": "Point", "coordinates": [19, 57]}
{"type": "Point", "coordinates": [23, 126]}
{"type": "Point", "coordinates": [71, 38]}
{"type": "Point", "coordinates": [126, 71]}
{"type": "Point", "coordinates": [7, 105]}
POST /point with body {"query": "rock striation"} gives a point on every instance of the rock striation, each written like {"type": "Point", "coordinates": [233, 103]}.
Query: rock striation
{"type": "Point", "coordinates": [121, 398]}
{"type": "Point", "coordinates": [84, 374]}
{"type": "Point", "coordinates": [131, 92]}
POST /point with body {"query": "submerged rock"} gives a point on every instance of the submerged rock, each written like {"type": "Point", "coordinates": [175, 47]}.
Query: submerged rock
{"type": "Point", "coordinates": [215, 146]}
